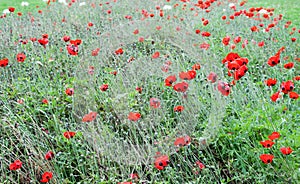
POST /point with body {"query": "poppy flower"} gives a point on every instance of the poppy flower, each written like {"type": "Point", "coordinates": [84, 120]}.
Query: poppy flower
{"type": "Point", "coordinates": [72, 49]}
{"type": "Point", "coordinates": [197, 31]}
{"type": "Point", "coordinates": [43, 41]}
{"type": "Point", "coordinates": [297, 78]}
{"type": "Point", "coordinates": [90, 24]}
{"type": "Point", "coordinates": [237, 39]}
{"type": "Point", "coordinates": [274, 135]}
{"type": "Point", "coordinates": [182, 141]}
{"type": "Point", "coordinates": [134, 116]}
{"type": "Point", "coordinates": [226, 40]}
{"type": "Point", "coordinates": [287, 86]}
{"type": "Point", "coordinates": [69, 91]}
{"type": "Point", "coordinates": [89, 117]}
{"type": "Point", "coordinates": [66, 38]}
{"type": "Point", "coordinates": [204, 46]}
{"type": "Point", "coordinates": [275, 96]}
{"type": "Point", "coordinates": [196, 66]}
{"type": "Point", "coordinates": [200, 164]}
{"type": "Point", "coordinates": [224, 88]}
{"type": "Point", "coordinates": [21, 57]}
{"type": "Point", "coordinates": [254, 29]}
{"type": "Point", "coordinates": [286, 150]}
{"type": "Point", "coordinates": [170, 80]}
{"type": "Point", "coordinates": [270, 82]}
{"type": "Point", "coordinates": [187, 75]}
{"type": "Point", "coordinates": [49, 155]}
{"type": "Point", "coordinates": [288, 65]}
{"type": "Point", "coordinates": [46, 177]}
{"type": "Point", "coordinates": [95, 52]}
{"type": "Point", "coordinates": [181, 87]}
{"type": "Point", "coordinates": [104, 87]}
{"type": "Point", "coordinates": [4, 62]}
{"type": "Point", "coordinates": [17, 164]}
{"type": "Point", "coordinates": [178, 108]}
{"type": "Point", "coordinates": [293, 95]}
{"type": "Point", "coordinates": [212, 77]}
{"type": "Point", "coordinates": [267, 143]}
{"type": "Point", "coordinates": [119, 51]}
{"type": "Point", "coordinates": [233, 65]}
{"type": "Point", "coordinates": [139, 89]}
{"type": "Point", "coordinates": [161, 162]}
{"type": "Point", "coordinates": [154, 102]}
{"type": "Point", "coordinates": [45, 101]}
{"type": "Point", "coordinates": [155, 55]}
{"type": "Point", "coordinates": [75, 42]}
{"type": "Point", "coordinates": [293, 39]}
{"type": "Point", "coordinates": [69, 135]}
{"type": "Point", "coordinates": [266, 158]}
{"type": "Point", "coordinates": [134, 176]}
{"type": "Point", "coordinates": [273, 60]}
{"type": "Point", "coordinates": [240, 72]}
{"type": "Point", "coordinates": [231, 56]}
{"type": "Point", "coordinates": [205, 34]}
{"type": "Point", "coordinates": [11, 9]}
{"type": "Point", "coordinates": [136, 31]}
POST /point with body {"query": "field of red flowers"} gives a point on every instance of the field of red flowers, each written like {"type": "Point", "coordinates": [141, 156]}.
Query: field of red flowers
{"type": "Point", "coordinates": [163, 91]}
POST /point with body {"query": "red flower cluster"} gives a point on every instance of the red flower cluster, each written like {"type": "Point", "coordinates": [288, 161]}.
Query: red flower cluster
{"type": "Point", "coordinates": [17, 164]}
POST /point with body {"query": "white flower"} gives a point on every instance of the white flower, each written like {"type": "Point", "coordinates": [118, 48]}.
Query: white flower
{"type": "Point", "coordinates": [6, 11]}
{"type": "Point", "coordinates": [263, 11]}
{"type": "Point", "coordinates": [24, 3]}
{"type": "Point", "coordinates": [231, 5]}
{"type": "Point", "coordinates": [82, 4]}
{"type": "Point", "coordinates": [167, 7]}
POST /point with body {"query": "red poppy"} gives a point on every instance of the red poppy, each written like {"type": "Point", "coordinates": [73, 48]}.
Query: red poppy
{"type": "Point", "coordinates": [119, 51]}
{"type": "Point", "coordinates": [136, 31]}
{"type": "Point", "coordinates": [233, 65]}
{"type": "Point", "coordinates": [11, 9]}
{"type": "Point", "coordinates": [189, 75]}
{"type": "Point", "coordinates": [104, 87]}
{"type": "Point", "coordinates": [224, 88]}
{"type": "Point", "coordinates": [196, 66]}
{"type": "Point", "coordinates": [274, 135]}
{"type": "Point", "coordinates": [69, 91]}
{"type": "Point", "coordinates": [66, 38]}
{"type": "Point", "coordinates": [134, 116]}
{"type": "Point", "coordinates": [254, 29]}
{"type": "Point", "coordinates": [240, 72]}
{"type": "Point", "coordinates": [139, 89]}
{"type": "Point", "coordinates": [90, 24]}
{"type": "Point", "coordinates": [226, 40]}
{"type": "Point", "coordinates": [170, 80]}
{"type": "Point", "coordinates": [43, 41]}
{"type": "Point", "coordinates": [231, 56]}
{"type": "Point", "coordinates": [4, 62]}
{"type": "Point", "coordinates": [17, 164]}
{"type": "Point", "coordinates": [270, 82]}
{"type": "Point", "coordinates": [155, 55]}
{"type": "Point", "coordinates": [293, 95]}
{"type": "Point", "coordinates": [274, 60]}
{"type": "Point", "coordinates": [182, 141]}
{"type": "Point", "coordinates": [89, 117]}
{"type": "Point", "coordinates": [287, 86]}
{"type": "Point", "coordinates": [45, 101]}
{"type": "Point", "coordinates": [237, 39]}
{"type": "Point", "coordinates": [286, 150]}
{"type": "Point", "coordinates": [266, 158]}
{"type": "Point", "coordinates": [200, 165]}
{"type": "Point", "coordinates": [72, 49]}
{"type": "Point", "coordinates": [154, 102]}
{"type": "Point", "coordinates": [75, 42]}
{"type": "Point", "coordinates": [205, 34]}
{"type": "Point", "coordinates": [178, 108]}
{"type": "Point", "coordinates": [288, 65]}
{"type": "Point", "coordinates": [275, 96]}
{"type": "Point", "coordinates": [204, 46]}
{"type": "Point", "coordinates": [293, 39]}
{"type": "Point", "coordinates": [161, 162]}
{"type": "Point", "coordinates": [181, 87]}
{"type": "Point", "coordinates": [297, 78]}
{"type": "Point", "coordinates": [49, 155]}
{"type": "Point", "coordinates": [267, 143]}
{"type": "Point", "coordinates": [197, 31]}
{"type": "Point", "coordinates": [212, 77]}
{"type": "Point", "coordinates": [69, 135]}
{"type": "Point", "coordinates": [21, 57]}
{"type": "Point", "coordinates": [46, 177]}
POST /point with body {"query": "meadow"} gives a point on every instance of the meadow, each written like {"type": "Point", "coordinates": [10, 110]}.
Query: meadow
{"type": "Point", "coordinates": [159, 91]}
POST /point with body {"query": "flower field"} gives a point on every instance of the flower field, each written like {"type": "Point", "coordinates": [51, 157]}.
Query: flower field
{"type": "Point", "coordinates": [163, 91]}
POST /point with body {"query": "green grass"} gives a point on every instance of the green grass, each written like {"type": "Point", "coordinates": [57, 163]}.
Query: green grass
{"type": "Point", "coordinates": [233, 126]}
